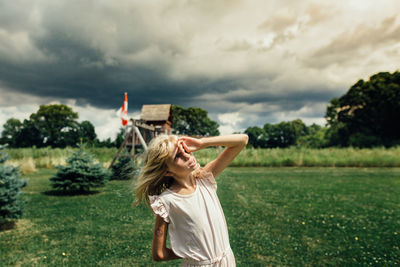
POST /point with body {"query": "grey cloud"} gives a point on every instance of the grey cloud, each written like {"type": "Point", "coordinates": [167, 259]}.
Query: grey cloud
{"type": "Point", "coordinates": [78, 69]}
{"type": "Point", "coordinates": [349, 45]}
{"type": "Point", "coordinates": [259, 114]}
{"type": "Point", "coordinates": [284, 97]}
{"type": "Point", "coordinates": [286, 18]}
{"type": "Point", "coordinates": [16, 16]}
{"type": "Point", "coordinates": [95, 60]}
{"type": "Point", "coordinates": [319, 13]}
{"type": "Point", "coordinates": [286, 88]}
{"type": "Point", "coordinates": [166, 52]}
{"type": "Point", "coordinates": [241, 45]}
{"type": "Point", "coordinates": [302, 19]}
{"type": "Point", "coordinates": [264, 106]}
{"type": "Point", "coordinates": [279, 22]}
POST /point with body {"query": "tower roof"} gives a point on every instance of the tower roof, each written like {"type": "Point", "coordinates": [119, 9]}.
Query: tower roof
{"type": "Point", "coordinates": [156, 112]}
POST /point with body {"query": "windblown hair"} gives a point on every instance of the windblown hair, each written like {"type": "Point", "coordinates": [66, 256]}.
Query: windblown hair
{"type": "Point", "coordinates": [152, 179]}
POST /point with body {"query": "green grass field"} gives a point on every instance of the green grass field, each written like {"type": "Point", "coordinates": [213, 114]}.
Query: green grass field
{"type": "Point", "coordinates": [276, 217]}
{"type": "Point", "coordinates": [30, 159]}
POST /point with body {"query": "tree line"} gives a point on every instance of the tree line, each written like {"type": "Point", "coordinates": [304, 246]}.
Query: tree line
{"type": "Point", "coordinates": [365, 116]}
{"type": "Point", "coordinates": [56, 125]}
{"type": "Point", "coordinates": [52, 125]}
{"type": "Point", "coordinates": [286, 134]}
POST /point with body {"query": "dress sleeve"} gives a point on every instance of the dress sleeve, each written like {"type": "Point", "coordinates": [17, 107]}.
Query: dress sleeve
{"type": "Point", "coordinates": [158, 208]}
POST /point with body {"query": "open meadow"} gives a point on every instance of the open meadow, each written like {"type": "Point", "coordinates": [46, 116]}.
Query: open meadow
{"type": "Point", "coordinates": [30, 159]}
{"type": "Point", "coordinates": [276, 217]}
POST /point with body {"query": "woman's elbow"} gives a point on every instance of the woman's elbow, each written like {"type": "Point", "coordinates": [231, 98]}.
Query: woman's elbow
{"type": "Point", "coordinates": [157, 257]}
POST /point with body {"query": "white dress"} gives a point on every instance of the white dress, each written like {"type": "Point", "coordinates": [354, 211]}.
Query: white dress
{"type": "Point", "coordinates": [197, 226]}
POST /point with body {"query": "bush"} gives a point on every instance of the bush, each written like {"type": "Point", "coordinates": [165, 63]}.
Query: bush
{"type": "Point", "coordinates": [124, 169]}
{"type": "Point", "coordinates": [80, 174]}
{"type": "Point", "coordinates": [11, 202]}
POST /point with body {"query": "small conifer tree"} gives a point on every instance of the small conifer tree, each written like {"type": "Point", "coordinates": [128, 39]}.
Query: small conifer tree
{"type": "Point", "coordinates": [80, 174]}
{"type": "Point", "coordinates": [124, 169]}
{"type": "Point", "coordinates": [11, 202]}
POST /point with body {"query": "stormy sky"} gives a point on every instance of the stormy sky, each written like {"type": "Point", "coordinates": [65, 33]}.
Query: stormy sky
{"type": "Point", "coordinates": [245, 62]}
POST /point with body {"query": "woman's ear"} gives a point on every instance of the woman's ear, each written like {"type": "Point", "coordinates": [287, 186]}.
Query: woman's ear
{"type": "Point", "coordinates": [169, 174]}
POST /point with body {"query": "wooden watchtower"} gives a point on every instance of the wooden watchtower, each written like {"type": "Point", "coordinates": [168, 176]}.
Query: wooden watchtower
{"type": "Point", "coordinates": [154, 120]}
{"type": "Point", "coordinates": [158, 116]}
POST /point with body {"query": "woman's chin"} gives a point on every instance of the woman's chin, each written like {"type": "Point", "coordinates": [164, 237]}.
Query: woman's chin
{"type": "Point", "coordinates": [194, 166]}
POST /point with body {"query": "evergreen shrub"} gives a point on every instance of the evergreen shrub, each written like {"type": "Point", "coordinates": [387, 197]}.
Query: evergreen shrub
{"type": "Point", "coordinates": [11, 202]}
{"type": "Point", "coordinates": [124, 169]}
{"type": "Point", "coordinates": [80, 174]}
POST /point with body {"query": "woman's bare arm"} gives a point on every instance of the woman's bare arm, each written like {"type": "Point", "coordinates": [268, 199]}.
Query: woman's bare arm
{"type": "Point", "coordinates": [160, 250]}
{"type": "Point", "coordinates": [234, 143]}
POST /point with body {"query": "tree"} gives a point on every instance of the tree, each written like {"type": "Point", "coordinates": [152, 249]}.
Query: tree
{"type": "Point", "coordinates": [80, 174]}
{"type": "Point", "coordinates": [11, 129]}
{"type": "Point", "coordinates": [316, 137]}
{"type": "Point", "coordinates": [124, 169]}
{"type": "Point", "coordinates": [11, 202]}
{"type": "Point", "coordinates": [285, 134]}
{"type": "Point", "coordinates": [119, 139]}
{"type": "Point", "coordinates": [193, 121]}
{"type": "Point", "coordinates": [30, 135]}
{"type": "Point", "coordinates": [84, 133]}
{"type": "Point", "coordinates": [56, 123]}
{"type": "Point", "coordinates": [257, 136]}
{"type": "Point", "coordinates": [105, 143]}
{"type": "Point", "coordinates": [272, 134]}
{"type": "Point", "coordinates": [367, 115]}
{"type": "Point", "coordinates": [291, 131]}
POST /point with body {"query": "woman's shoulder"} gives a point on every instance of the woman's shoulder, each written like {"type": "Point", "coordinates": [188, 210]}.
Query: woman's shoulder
{"type": "Point", "coordinates": [202, 173]}
{"type": "Point", "coordinates": [163, 197]}
{"type": "Point", "coordinates": [166, 198]}
{"type": "Point", "coordinates": [205, 176]}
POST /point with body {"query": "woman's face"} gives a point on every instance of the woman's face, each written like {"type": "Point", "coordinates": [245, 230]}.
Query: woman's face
{"type": "Point", "coordinates": [180, 162]}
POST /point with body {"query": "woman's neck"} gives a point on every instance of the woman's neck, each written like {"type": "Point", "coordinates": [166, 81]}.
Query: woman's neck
{"type": "Point", "coordinates": [185, 182]}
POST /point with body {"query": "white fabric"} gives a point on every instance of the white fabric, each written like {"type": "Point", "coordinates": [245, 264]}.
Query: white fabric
{"type": "Point", "coordinates": [197, 226]}
{"type": "Point", "coordinates": [159, 208]}
{"type": "Point", "coordinates": [225, 260]}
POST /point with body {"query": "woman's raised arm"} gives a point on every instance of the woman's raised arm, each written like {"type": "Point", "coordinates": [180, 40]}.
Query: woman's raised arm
{"type": "Point", "coordinates": [234, 143]}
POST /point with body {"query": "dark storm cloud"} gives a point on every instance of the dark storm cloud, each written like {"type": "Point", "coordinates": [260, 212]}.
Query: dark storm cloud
{"type": "Point", "coordinates": [283, 97]}
{"type": "Point", "coordinates": [77, 63]}
{"type": "Point", "coordinates": [251, 62]}
{"type": "Point", "coordinates": [89, 63]}
{"type": "Point", "coordinates": [73, 73]}
{"type": "Point", "coordinates": [76, 70]}
{"type": "Point", "coordinates": [99, 87]}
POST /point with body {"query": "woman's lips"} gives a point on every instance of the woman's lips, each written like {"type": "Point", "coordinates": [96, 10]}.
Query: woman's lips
{"type": "Point", "coordinates": [192, 163]}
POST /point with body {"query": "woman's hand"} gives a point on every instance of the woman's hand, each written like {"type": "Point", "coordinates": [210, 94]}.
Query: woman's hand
{"type": "Point", "coordinates": [191, 144]}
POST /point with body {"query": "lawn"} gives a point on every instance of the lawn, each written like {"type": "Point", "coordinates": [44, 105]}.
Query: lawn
{"type": "Point", "coordinates": [276, 216]}
{"type": "Point", "coordinates": [29, 159]}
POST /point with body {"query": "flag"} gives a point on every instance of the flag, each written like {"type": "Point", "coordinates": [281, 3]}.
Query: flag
{"type": "Point", "coordinates": [123, 111]}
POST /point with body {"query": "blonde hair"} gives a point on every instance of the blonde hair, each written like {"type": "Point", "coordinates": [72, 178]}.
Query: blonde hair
{"type": "Point", "coordinates": [152, 179]}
